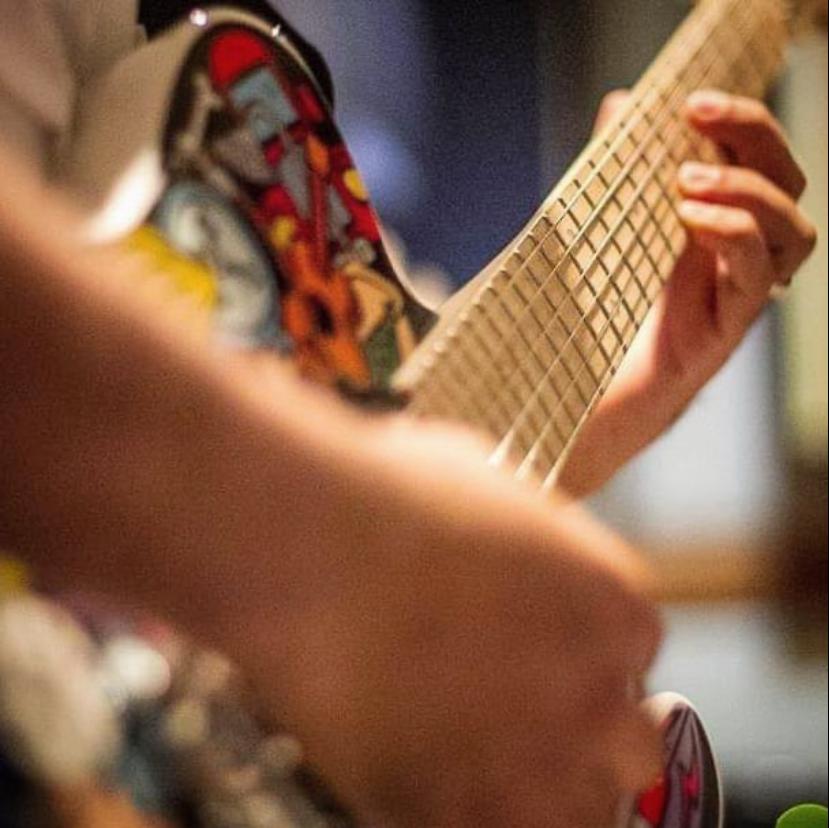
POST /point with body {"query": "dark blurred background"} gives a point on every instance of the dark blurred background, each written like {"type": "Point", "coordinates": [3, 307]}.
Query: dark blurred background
{"type": "Point", "coordinates": [462, 116]}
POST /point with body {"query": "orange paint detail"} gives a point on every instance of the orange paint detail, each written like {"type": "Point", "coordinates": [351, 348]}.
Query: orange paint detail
{"type": "Point", "coordinates": [320, 313]}
{"type": "Point", "coordinates": [319, 159]}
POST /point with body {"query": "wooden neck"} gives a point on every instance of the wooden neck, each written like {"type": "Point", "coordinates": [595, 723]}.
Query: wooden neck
{"type": "Point", "coordinates": [538, 342]}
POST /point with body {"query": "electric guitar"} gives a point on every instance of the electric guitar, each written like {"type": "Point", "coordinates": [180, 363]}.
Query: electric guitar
{"type": "Point", "coordinates": [212, 152]}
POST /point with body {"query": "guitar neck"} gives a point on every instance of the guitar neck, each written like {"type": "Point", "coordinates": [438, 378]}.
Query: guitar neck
{"type": "Point", "coordinates": [538, 342]}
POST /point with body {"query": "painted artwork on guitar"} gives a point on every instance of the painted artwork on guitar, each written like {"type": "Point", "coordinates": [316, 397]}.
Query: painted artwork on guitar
{"type": "Point", "coordinates": [263, 192]}
{"type": "Point", "coordinates": [688, 792]}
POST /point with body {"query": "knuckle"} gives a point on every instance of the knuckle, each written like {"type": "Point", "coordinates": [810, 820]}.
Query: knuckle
{"type": "Point", "coordinates": [726, 103]}
{"type": "Point", "coordinates": [749, 182]}
{"type": "Point", "coordinates": [799, 181]}
{"type": "Point", "coordinates": [647, 626]}
{"type": "Point", "coordinates": [728, 178]}
{"type": "Point", "coordinates": [756, 112]}
{"type": "Point", "coordinates": [810, 239]}
{"type": "Point", "coordinates": [740, 225]}
{"type": "Point", "coordinates": [735, 182]}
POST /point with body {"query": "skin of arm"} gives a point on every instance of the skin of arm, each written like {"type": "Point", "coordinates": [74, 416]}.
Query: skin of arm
{"type": "Point", "coordinates": [371, 578]}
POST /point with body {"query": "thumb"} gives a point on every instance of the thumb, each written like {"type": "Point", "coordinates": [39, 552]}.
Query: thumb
{"type": "Point", "coordinates": [610, 106]}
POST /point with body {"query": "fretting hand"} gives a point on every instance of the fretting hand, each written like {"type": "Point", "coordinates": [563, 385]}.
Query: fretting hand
{"type": "Point", "coordinates": [746, 235]}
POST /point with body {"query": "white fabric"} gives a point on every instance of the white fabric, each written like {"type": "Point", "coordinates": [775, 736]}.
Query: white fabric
{"type": "Point", "coordinates": [48, 50]}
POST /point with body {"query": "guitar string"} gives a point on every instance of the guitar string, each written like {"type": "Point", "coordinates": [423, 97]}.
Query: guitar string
{"type": "Point", "coordinates": [598, 339]}
{"type": "Point", "coordinates": [657, 127]}
{"type": "Point", "coordinates": [462, 379]}
{"type": "Point", "coordinates": [623, 135]}
{"type": "Point", "coordinates": [659, 230]}
{"type": "Point", "coordinates": [760, 77]}
{"type": "Point", "coordinates": [663, 210]}
{"type": "Point", "coordinates": [496, 364]}
{"type": "Point", "coordinates": [438, 349]}
{"type": "Point", "coordinates": [602, 384]}
{"type": "Point", "coordinates": [655, 132]}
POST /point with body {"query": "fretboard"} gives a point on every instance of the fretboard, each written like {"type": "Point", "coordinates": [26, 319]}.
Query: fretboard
{"type": "Point", "coordinates": [530, 354]}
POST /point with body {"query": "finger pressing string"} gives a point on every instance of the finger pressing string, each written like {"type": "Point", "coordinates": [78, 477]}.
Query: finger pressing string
{"type": "Point", "coordinates": [790, 236]}
{"type": "Point", "coordinates": [750, 135]}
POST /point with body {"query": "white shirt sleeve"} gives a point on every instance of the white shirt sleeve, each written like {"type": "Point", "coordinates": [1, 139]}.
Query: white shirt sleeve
{"type": "Point", "coordinates": [48, 50]}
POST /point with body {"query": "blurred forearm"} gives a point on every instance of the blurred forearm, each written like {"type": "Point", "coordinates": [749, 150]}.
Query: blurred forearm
{"type": "Point", "coordinates": [134, 461]}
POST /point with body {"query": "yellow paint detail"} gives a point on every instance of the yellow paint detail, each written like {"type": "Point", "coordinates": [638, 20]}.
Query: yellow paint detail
{"type": "Point", "coordinates": [187, 275]}
{"type": "Point", "coordinates": [378, 299]}
{"type": "Point", "coordinates": [283, 232]}
{"type": "Point", "coordinates": [355, 185]}
{"type": "Point", "coordinates": [13, 576]}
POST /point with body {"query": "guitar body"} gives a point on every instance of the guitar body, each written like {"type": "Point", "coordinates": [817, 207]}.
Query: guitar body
{"type": "Point", "coordinates": [252, 200]}
{"type": "Point", "coordinates": [232, 179]}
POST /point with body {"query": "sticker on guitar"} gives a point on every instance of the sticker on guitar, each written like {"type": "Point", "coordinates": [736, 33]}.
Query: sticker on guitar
{"type": "Point", "coordinates": [688, 794]}
{"type": "Point", "coordinates": [263, 193]}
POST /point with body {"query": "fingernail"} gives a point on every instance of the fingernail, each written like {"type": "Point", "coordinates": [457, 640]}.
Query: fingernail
{"type": "Point", "coordinates": [694, 175]}
{"type": "Point", "coordinates": [708, 104]}
{"type": "Point", "coordinates": [696, 211]}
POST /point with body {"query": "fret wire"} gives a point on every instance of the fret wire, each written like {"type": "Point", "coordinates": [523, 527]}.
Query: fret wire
{"type": "Point", "coordinates": [492, 361]}
{"type": "Point", "coordinates": [556, 317]}
{"type": "Point", "coordinates": [639, 243]}
{"type": "Point", "coordinates": [654, 265]}
{"type": "Point", "coordinates": [661, 185]}
{"type": "Point", "coordinates": [635, 230]}
{"type": "Point", "coordinates": [457, 379]}
{"type": "Point", "coordinates": [510, 416]}
{"type": "Point", "coordinates": [668, 249]}
{"type": "Point", "coordinates": [620, 136]}
{"type": "Point", "coordinates": [686, 66]}
{"type": "Point", "coordinates": [599, 389]}
{"type": "Point", "coordinates": [540, 250]}
{"type": "Point", "coordinates": [635, 241]}
{"type": "Point", "coordinates": [597, 394]}
{"type": "Point", "coordinates": [460, 377]}
{"type": "Point", "coordinates": [603, 225]}
{"type": "Point", "coordinates": [541, 325]}
{"type": "Point", "coordinates": [624, 133]}
{"type": "Point", "coordinates": [627, 264]}
{"type": "Point", "coordinates": [658, 262]}
{"type": "Point", "coordinates": [580, 194]}
{"type": "Point", "coordinates": [615, 243]}
{"type": "Point", "coordinates": [529, 346]}
{"type": "Point", "coordinates": [665, 196]}
{"type": "Point", "coordinates": [498, 363]}
{"type": "Point", "coordinates": [520, 366]}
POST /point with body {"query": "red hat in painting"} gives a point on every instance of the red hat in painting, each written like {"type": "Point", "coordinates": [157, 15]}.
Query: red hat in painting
{"type": "Point", "coordinates": [233, 54]}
